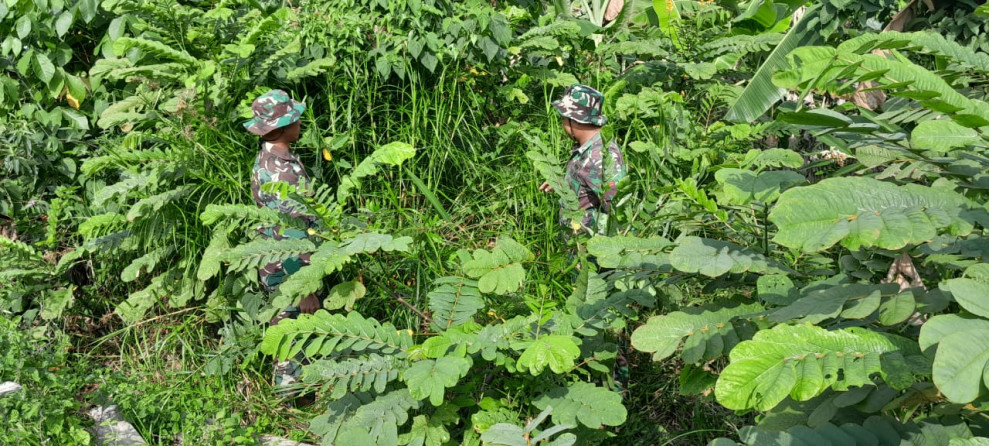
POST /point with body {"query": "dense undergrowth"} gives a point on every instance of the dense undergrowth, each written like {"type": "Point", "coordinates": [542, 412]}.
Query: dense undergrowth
{"type": "Point", "coordinates": [797, 253]}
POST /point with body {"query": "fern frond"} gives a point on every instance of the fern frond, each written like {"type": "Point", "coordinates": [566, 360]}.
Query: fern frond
{"type": "Point", "coordinates": [313, 68]}
{"type": "Point", "coordinates": [127, 158]}
{"type": "Point", "coordinates": [262, 251]}
{"type": "Point", "coordinates": [454, 301]}
{"type": "Point", "coordinates": [19, 249]}
{"type": "Point", "coordinates": [121, 45]}
{"type": "Point", "coordinates": [145, 264]}
{"type": "Point", "coordinates": [327, 259]}
{"type": "Point", "coordinates": [120, 240]}
{"type": "Point", "coordinates": [246, 214]}
{"type": "Point", "coordinates": [741, 45]}
{"type": "Point", "coordinates": [923, 42]}
{"type": "Point", "coordinates": [122, 187]}
{"type": "Point", "coordinates": [357, 418]}
{"type": "Point", "coordinates": [291, 48]}
{"type": "Point", "coordinates": [157, 201]}
{"type": "Point", "coordinates": [334, 335]}
{"type": "Point", "coordinates": [656, 49]}
{"type": "Point", "coordinates": [364, 374]}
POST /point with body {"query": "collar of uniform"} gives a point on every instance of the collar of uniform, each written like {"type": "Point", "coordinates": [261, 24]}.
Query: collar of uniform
{"type": "Point", "coordinates": [580, 150]}
{"type": "Point", "coordinates": [287, 156]}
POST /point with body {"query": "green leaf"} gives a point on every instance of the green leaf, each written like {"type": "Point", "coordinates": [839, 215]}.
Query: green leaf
{"type": "Point", "coordinates": [944, 325]}
{"type": "Point", "coordinates": [742, 187]}
{"type": "Point", "coordinates": [504, 434]}
{"type": "Point", "coordinates": [960, 365]}
{"type": "Point", "coordinates": [344, 295]}
{"type": "Point", "coordinates": [776, 289]}
{"type": "Point", "coordinates": [773, 158]}
{"type": "Point", "coordinates": [760, 94]}
{"type": "Point", "coordinates": [713, 258]}
{"type": "Point", "coordinates": [897, 309]}
{"type": "Point", "coordinates": [943, 136]}
{"type": "Point", "coordinates": [556, 352]}
{"type": "Point", "coordinates": [23, 26]}
{"type": "Point", "coordinates": [628, 251]}
{"type": "Point", "coordinates": [430, 378]}
{"type": "Point", "coordinates": [802, 361]}
{"type": "Point", "coordinates": [498, 270]}
{"type": "Point", "coordinates": [454, 301]}
{"type": "Point", "coordinates": [43, 67]}
{"type": "Point", "coordinates": [864, 212]}
{"type": "Point", "coordinates": [591, 405]}
{"type": "Point", "coordinates": [64, 22]}
{"type": "Point", "coordinates": [54, 303]}
{"type": "Point", "coordinates": [970, 294]}
{"type": "Point", "coordinates": [662, 335]}
{"type": "Point", "coordinates": [819, 305]}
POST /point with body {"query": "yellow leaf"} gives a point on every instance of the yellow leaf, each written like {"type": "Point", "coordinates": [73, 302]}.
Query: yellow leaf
{"type": "Point", "coordinates": [73, 102]}
{"type": "Point", "coordinates": [327, 155]}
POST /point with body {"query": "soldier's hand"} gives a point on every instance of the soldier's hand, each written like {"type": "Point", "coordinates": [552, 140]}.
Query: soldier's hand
{"type": "Point", "coordinates": [545, 187]}
{"type": "Point", "coordinates": [309, 305]}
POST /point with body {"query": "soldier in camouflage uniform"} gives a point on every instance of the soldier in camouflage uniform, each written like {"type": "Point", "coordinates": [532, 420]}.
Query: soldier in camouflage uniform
{"type": "Point", "coordinates": [276, 121]}
{"type": "Point", "coordinates": [591, 176]}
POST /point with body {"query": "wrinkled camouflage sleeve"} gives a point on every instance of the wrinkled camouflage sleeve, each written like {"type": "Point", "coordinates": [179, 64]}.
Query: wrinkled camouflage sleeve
{"type": "Point", "coordinates": [600, 176]}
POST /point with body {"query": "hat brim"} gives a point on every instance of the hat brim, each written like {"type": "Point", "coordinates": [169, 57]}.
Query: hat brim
{"type": "Point", "coordinates": [598, 120]}
{"type": "Point", "coordinates": [262, 127]}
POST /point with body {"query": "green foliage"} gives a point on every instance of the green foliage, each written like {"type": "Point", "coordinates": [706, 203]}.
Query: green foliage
{"type": "Point", "coordinates": [592, 406]}
{"type": "Point", "coordinates": [500, 270]}
{"type": "Point", "coordinates": [710, 332]}
{"type": "Point", "coordinates": [863, 212]}
{"type": "Point", "coordinates": [556, 352]}
{"type": "Point", "coordinates": [505, 434]}
{"type": "Point", "coordinates": [801, 361]}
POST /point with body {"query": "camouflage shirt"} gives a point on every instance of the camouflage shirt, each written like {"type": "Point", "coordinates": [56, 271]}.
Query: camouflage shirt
{"type": "Point", "coordinates": [272, 166]}
{"type": "Point", "coordinates": [594, 185]}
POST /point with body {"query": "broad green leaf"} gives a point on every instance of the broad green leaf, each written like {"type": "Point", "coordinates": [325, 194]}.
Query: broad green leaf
{"type": "Point", "coordinates": [972, 295]}
{"type": "Point", "coordinates": [943, 136]}
{"type": "Point", "coordinates": [897, 308]}
{"type": "Point", "coordinates": [43, 67]}
{"type": "Point", "coordinates": [497, 270]}
{"type": "Point", "coordinates": [776, 289]}
{"type": "Point", "coordinates": [872, 156]}
{"type": "Point", "coordinates": [943, 325]}
{"type": "Point", "coordinates": [713, 258]}
{"type": "Point", "coordinates": [23, 26]}
{"type": "Point", "coordinates": [344, 295]}
{"type": "Point", "coordinates": [760, 94]}
{"type": "Point", "coordinates": [662, 335]}
{"type": "Point", "coordinates": [960, 365]}
{"type": "Point", "coordinates": [591, 405]}
{"type": "Point", "coordinates": [556, 352]}
{"type": "Point", "coordinates": [624, 251]}
{"type": "Point", "coordinates": [864, 212]}
{"type": "Point", "coordinates": [742, 187]}
{"type": "Point", "coordinates": [430, 378]}
{"type": "Point", "coordinates": [502, 280]}
{"type": "Point", "coordinates": [774, 157]}
{"type": "Point", "coordinates": [54, 302]}
{"type": "Point", "coordinates": [802, 361]}
{"type": "Point", "coordinates": [504, 434]}
{"type": "Point", "coordinates": [817, 306]}
{"type": "Point", "coordinates": [64, 22]}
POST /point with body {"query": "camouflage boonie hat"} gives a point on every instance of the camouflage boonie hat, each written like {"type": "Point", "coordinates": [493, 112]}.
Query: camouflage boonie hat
{"type": "Point", "coordinates": [582, 104]}
{"type": "Point", "coordinates": [273, 110]}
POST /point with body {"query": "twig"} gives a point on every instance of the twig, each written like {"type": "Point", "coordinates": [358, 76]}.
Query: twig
{"type": "Point", "coordinates": [413, 308]}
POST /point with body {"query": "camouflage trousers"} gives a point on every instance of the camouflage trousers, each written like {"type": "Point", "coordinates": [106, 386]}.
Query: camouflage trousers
{"type": "Point", "coordinates": [271, 275]}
